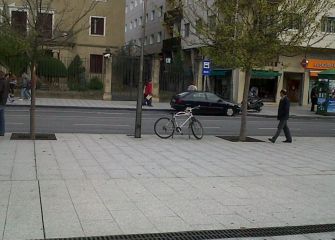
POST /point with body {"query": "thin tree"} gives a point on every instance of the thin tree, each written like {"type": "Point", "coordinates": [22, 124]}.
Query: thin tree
{"type": "Point", "coordinates": [251, 34]}
{"type": "Point", "coordinates": [49, 23]}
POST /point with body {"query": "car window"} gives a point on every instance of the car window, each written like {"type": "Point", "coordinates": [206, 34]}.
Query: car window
{"type": "Point", "coordinates": [212, 97]}
{"type": "Point", "coordinates": [196, 96]}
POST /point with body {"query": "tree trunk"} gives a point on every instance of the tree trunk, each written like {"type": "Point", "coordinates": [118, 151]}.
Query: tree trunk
{"type": "Point", "coordinates": [243, 129]}
{"type": "Point", "coordinates": [33, 102]}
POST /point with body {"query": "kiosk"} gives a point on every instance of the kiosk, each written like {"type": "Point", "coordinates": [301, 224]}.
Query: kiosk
{"type": "Point", "coordinates": [326, 92]}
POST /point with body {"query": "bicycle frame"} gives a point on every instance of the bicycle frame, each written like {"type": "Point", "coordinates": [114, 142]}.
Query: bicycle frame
{"type": "Point", "coordinates": [180, 114]}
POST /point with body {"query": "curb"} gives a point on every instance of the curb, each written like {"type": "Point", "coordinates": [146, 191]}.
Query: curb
{"type": "Point", "coordinates": [98, 108]}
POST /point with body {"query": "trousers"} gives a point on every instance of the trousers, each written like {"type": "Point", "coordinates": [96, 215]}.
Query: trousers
{"type": "Point", "coordinates": [2, 120]}
{"type": "Point", "coordinates": [282, 125]}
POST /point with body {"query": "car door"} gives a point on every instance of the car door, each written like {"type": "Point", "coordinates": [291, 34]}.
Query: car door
{"type": "Point", "coordinates": [215, 103]}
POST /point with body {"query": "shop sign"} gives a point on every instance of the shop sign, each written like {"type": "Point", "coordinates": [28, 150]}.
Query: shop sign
{"type": "Point", "coordinates": [320, 64]}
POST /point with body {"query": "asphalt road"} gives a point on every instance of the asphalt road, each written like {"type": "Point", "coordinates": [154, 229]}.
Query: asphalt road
{"type": "Point", "coordinates": [68, 120]}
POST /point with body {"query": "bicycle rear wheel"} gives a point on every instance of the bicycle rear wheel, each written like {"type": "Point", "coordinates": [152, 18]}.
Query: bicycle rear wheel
{"type": "Point", "coordinates": [164, 127]}
{"type": "Point", "coordinates": [197, 129]}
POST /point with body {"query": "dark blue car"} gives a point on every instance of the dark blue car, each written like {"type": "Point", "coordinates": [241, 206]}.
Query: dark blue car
{"type": "Point", "coordinates": [209, 103]}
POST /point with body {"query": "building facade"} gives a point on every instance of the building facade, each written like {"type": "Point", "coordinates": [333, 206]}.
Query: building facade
{"type": "Point", "coordinates": [75, 27]}
{"type": "Point", "coordinates": [154, 18]}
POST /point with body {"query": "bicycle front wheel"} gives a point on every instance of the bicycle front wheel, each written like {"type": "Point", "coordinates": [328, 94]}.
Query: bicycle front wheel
{"type": "Point", "coordinates": [197, 129]}
{"type": "Point", "coordinates": [164, 127]}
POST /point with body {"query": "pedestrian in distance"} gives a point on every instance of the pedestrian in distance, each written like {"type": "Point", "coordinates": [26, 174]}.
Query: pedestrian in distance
{"type": "Point", "coordinates": [148, 94]}
{"type": "Point", "coordinates": [192, 87]}
{"type": "Point", "coordinates": [283, 115]}
{"type": "Point", "coordinates": [314, 98]}
{"type": "Point", "coordinates": [26, 86]}
{"type": "Point", "coordinates": [12, 85]}
{"type": "Point", "coordinates": [4, 89]}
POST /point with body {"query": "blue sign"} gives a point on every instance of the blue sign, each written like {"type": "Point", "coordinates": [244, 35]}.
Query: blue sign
{"type": "Point", "coordinates": [331, 105]}
{"type": "Point", "coordinates": [206, 68]}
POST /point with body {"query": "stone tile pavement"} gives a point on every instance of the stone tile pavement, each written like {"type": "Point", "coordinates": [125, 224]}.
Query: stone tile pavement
{"type": "Point", "coordinates": [94, 185]}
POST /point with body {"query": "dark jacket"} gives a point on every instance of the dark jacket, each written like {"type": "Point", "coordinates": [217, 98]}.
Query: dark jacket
{"type": "Point", "coordinates": [283, 109]}
{"type": "Point", "coordinates": [4, 88]}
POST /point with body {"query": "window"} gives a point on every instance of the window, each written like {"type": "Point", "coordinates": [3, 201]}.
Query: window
{"type": "Point", "coordinates": [126, 8]}
{"type": "Point", "coordinates": [44, 25]}
{"type": "Point", "coordinates": [328, 24]}
{"type": "Point", "coordinates": [140, 19]}
{"type": "Point", "coordinates": [135, 23]}
{"type": "Point", "coordinates": [125, 28]}
{"type": "Point", "coordinates": [294, 21]}
{"type": "Point", "coordinates": [19, 22]}
{"type": "Point", "coordinates": [199, 25]}
{"type": "Point", "coordinates": [187, 29]}
{"type": "Point", "coordinates": [152, 15]}
{"type": "Point", "coordinates": [212, 97]}
{"type": "Point", "coordinates": [131, 25]}
{"type": "Point", "coordinates": [196, 96]}
{"type": "Point", "coordinates": [211, 22]}
{"type": "Point", "coordinates": [146, 17]}
{"type": "Point", "coordinates": [159, 37]}
{"type": "Point", "coordinates": [97, 26]}
{"type": "Point", "coordinates": [145, 40]}
{"type": "Point", "coordinates": [131, 5]}
{"type": "Point", "coordinates": [135, 3]}
{"type": "Point", "coordinates": [151, 39]}
{"type": "Point", "coordinates": [160, 11]}
{"type": "Point", "coordinates": [96, 63]}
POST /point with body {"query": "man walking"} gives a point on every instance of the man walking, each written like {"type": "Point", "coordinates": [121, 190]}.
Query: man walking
{"type": "Point", "coordinates": [283, 115]}
{"type": "Point", "coordinates": [4, 85]}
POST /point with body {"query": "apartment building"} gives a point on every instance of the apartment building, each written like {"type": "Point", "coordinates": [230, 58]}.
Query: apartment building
{"type": "Point", "coordinates": [154, 18]}
{"type": "Point", "coordinates": [297, 73]}
{"type": "Point", "coordinates": [98, 29]}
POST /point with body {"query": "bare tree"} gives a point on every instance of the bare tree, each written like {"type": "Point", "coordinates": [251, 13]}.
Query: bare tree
{"type": "Point", "coordinates": [49, 23]}
{"type": "Point", "coordinates": [250, 34]}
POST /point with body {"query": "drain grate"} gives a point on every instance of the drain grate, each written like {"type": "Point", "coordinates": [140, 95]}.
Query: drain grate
{"type": "Point", "coordinates": [38, 136]}
{"type": "Point", "coordinates": [217, 234]}
{"type": "Point", "coordinates": [236, 139]}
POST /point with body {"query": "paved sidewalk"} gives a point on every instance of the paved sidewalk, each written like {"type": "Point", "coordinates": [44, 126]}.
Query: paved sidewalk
{"type": "Point", "coordinates": [93, 185]}
{"type": "Point", "coordinates": [269, 110]}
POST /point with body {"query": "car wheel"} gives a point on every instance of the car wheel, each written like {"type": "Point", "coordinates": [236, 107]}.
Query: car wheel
{"type": "Point", "coordinates": [230, 112]}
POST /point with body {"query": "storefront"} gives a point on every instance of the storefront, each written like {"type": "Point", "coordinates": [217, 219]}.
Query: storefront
{"type": "Point", "coordinates": [326, 92]}
{"type": "Point", "coordinates": [314, 67]}
{"type": "Point", "coordinates": [221, 82]}
{"type": "Point", "coordinates": [266, 83]}
{"type": "Point", "coordinates": [293, 84]}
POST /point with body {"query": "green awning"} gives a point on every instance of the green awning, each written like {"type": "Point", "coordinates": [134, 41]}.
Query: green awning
{"type": "Point", "coordinates": [220, 72]}
{"type": "Point", "coordinates": [327, 74]}
{"type": "Point", "coordinates": [264, 74]}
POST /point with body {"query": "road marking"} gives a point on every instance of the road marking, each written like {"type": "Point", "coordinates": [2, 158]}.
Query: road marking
{"type": "Point", "coordinates": [98, 124]}
{"type": "Point", "coordinates": [213, 127]}
{"type": "Point", "coordinates": [295, 129]}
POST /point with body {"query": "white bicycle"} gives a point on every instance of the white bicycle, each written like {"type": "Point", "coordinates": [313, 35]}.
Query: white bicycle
{"type": "Point", "coordinates": [165, 127]}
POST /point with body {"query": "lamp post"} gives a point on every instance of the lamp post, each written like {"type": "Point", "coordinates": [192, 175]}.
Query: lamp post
{"type": "Point", "coordinates": [138, 119]}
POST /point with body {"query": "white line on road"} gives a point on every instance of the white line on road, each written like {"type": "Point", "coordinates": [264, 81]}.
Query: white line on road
{"type": "Point", "coordinates": [295, 129]}
{"type": "Point", "coordinates": [98, 124]}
